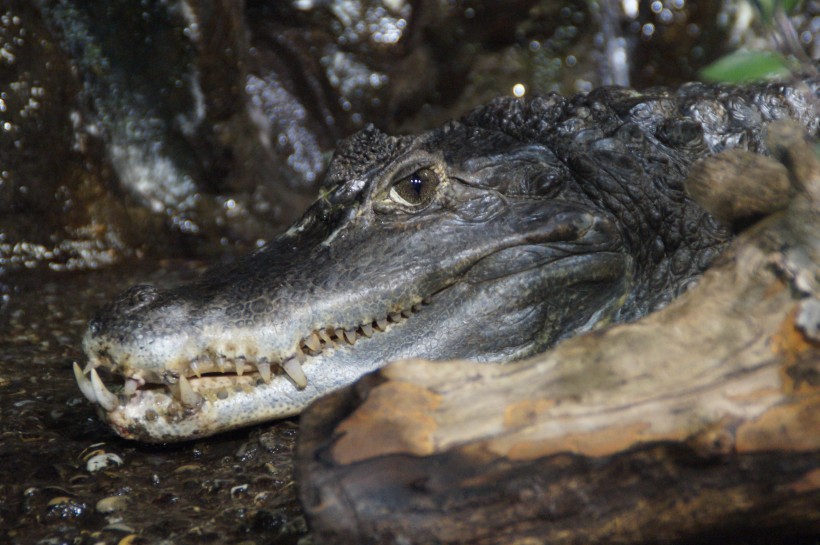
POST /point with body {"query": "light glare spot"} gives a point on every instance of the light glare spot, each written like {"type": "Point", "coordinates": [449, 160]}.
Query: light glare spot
{"type": "Point", "coordinates": [630, 8]}
{"type": "Point", "coordinates": [519, 90]}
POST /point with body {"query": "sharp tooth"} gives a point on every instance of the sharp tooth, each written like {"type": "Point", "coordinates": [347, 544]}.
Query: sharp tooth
{"type": "Point", "coordinates": [187, 395]}
{"type": "Point", "coordinates": [350, 335]}
{"type": "Point", "coordinates": [300, 355]}
{"type": "Point", "coordinates": [394, 317]}
{"type": "Point", "coordinates": [313, 342]}
{"type": "Point", "coordinates": [381, 324]}
{"type": "Point", "coordinates": [195, 368]}
{"type": "Point", "coordinates": [89, 366]}
{"type": "Point", "coordinates": [294, 370]}
{"type": "Point", "coordinates": [106, 399]}
{"type": "Point", "coordinates": [340, 335]}
{"type": "Point", "coordinates": [367, 329]}
{"type": "Point", "coordinates": [325, 337]}
{"type": "Point", "coordinates": [407, 313]}
{"type": "Point", "coordinates": [264, 371]}
{"type": "Point", "coordinates": [239, 366]}
{"type": "Point", "coordinates": [417, 307]}
{"type": "Point", "coordinates": [131, 385]}
{"type": "Point", "coordinates": [426, 301]}
{"type": "Point", "coordinates": [84, 384]}
{"type": "Point", "coordinates": [220, 362]}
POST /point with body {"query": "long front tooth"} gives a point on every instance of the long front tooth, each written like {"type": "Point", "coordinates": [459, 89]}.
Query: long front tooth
{"type": "Point", "coordinates": [187, 395]}
{"type": "Point", "coordinates": [294, 370]}
{"type": "Point", "coordinates": [300, 355]}
{"type": "Point", "coordinates": [106, 399]}
{"type": "Point", "coordinates": [264, 370]}
{"type": "Point", "coordinates": [84, 384]}
{"type": "Point", "coordinates": [239, 366]}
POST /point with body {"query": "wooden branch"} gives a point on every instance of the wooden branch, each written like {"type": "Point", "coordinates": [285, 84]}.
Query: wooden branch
{"type": "Point", "coordinates": [700, 420]}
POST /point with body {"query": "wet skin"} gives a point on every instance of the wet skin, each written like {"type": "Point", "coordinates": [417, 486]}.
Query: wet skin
{"type": "Point", "coordinates": [491, 239]}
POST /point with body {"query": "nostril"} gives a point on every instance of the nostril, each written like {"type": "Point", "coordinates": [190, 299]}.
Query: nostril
{"type": "Point", "coordinates": [137, 296]}
{"type": "Point", "coordinates": [122, 310]}
{"type": "Point", "coordinates": [94, 325]}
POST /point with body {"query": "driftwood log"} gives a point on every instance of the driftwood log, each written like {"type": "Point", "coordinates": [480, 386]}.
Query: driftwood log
{"type": "Point", "coordinates": [699, 423]}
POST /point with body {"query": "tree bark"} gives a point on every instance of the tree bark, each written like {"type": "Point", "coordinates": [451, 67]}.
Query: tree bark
{"type": "Point", "coordinates": [700, 422]}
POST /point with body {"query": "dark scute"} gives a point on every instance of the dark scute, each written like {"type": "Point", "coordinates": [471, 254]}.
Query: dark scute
{"type": "Point", "coordinates": [741, 112]}
{"type": "Point", "coordinates": [682, 133]}
{"type": "Point", "coordinates": [710, 113]}
{"type": "Point", "coordinates": [358, 154]}
{"type": "Point", "coordinates": [528, 119]}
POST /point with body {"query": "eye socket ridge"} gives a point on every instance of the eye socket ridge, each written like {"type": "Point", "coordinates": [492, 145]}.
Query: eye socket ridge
{"type": "Point", "coordinates": [415, 190]}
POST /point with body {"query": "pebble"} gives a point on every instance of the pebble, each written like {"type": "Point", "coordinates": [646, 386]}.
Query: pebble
{"type": "Point", "coordinates": [113, 504]}
{"type": "Point", "coordinates": [101, 461]}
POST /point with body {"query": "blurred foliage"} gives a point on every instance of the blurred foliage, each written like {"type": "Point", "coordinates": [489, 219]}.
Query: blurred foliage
{"type": "Point", "coordinates": [743, 66]}
{"type": "Point", "coordinates": [767, 8]}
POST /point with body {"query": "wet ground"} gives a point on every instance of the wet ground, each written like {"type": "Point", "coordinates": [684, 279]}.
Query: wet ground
{"type": "Point", "coordinates": [66, 478]}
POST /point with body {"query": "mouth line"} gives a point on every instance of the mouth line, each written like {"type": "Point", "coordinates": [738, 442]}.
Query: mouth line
{"type": "Point", "coordinates": [212, 376]}
{"type": "Point", "coordinates": [246, 370]}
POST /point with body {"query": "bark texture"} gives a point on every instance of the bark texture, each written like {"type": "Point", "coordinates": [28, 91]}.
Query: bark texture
{"type": "Point", "coordinates": [697, 423]}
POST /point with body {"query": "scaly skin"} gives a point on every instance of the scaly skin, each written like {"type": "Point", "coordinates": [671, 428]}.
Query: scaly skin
{"type": "Point", "coordinates": [490, 239]}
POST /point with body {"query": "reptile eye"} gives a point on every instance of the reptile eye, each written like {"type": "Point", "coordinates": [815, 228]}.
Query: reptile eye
{"type": "Point", "coordinates": [417, 189]}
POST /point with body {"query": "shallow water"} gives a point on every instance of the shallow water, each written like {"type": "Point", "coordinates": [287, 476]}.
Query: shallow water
{"type": "Point", "coordinates": [235, 488]}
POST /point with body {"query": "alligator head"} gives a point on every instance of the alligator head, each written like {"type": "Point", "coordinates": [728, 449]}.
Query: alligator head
{"type": "Point", "coordinates": [471, 241]}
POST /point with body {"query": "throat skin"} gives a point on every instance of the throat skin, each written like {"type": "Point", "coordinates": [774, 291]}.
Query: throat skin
{"type": "Point", "coordinates": [491, 238]}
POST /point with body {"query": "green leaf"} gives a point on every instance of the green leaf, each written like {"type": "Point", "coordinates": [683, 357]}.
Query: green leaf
{"type": "Point", "coordinates": [767, 7]}
{"type": "Point", "coordinates": [790, 5]}
{"type": "Point", "coordinates": [744, 66]}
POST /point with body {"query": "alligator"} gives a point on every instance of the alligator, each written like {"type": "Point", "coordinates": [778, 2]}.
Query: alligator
{"type": "Point", "coordinates": [490, 239]}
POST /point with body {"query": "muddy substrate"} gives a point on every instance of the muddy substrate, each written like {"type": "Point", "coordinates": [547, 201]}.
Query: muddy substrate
{"type": "Point", "coordinates": [65, 478]}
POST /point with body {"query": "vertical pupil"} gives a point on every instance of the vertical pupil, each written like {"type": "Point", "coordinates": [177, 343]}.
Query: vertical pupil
{"type": "Point", "coordinates": [416, 183]}
{"type": "Point", "coordinates": [415, 189]}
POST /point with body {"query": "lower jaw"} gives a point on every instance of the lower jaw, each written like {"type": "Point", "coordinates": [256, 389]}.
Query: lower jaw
{"type": "Point", "coordinates": [159, 418]}
{"type": "Point", "coordinates": [154, 415]}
